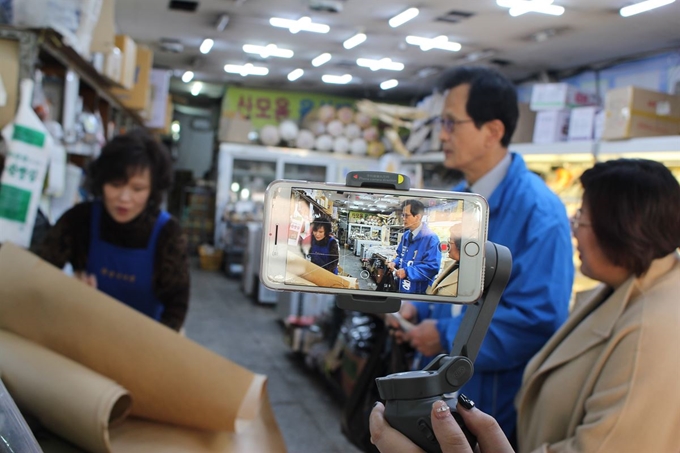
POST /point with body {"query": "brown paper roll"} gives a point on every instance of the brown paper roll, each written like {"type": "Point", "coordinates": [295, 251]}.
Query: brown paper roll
{"type": "Point", "coordinates": [171, 379]}
{"type": "Point", "coordinates": [309, 271]}
{"type": "Point", "coordinates": [67, 398]}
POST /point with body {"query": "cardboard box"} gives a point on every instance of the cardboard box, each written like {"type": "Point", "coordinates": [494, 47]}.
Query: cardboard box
{"type": "Point", "coordinates": [582, 123]}
{"type": "Point", "coordinates": [524, 132]}
{"type": "Point", "coordinates": [139, 97]}
{"type": "Point", "coordinates": [104, 33]}
{"type": "Point", "coordinates": [559, 96]}
{"type": "Point", "coordinates": [158, 108]}
{"type": "Point", "coordinates": [128, 50]}
{"type": "Point", "coordinates": [113, 64]}
{"type": "Point", "coordinates": [551, 126]}
{"type": "Point", "coordinates": [635, 112]}
{"type": "Point", "coordinates": [235, 129]}
{"type": "Point", "coordinates": [9, 70]}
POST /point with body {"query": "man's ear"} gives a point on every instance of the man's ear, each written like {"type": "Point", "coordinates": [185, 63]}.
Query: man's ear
{"type": "Point", "coordinates": [495, 131]}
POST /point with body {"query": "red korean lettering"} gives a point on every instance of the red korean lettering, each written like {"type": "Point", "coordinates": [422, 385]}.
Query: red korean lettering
{"type": "Point", "coordinates": [282, 109]}
{"type": "Point", "coordinates": [263, 105]}
{"type": "Point", "coordinates": [245, 105]}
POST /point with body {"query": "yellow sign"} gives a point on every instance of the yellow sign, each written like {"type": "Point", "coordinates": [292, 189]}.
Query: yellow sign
{"type": "Point", "coordinates": [271, 107]}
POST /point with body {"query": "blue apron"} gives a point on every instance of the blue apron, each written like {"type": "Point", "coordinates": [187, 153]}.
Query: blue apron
{"type": "Point", "coordinates": [321, 255]}
{"type": "Point", "coordinates": [126, 274]}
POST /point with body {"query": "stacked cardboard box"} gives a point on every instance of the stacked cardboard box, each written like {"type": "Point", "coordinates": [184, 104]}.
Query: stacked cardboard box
{"type": "Point", "coordinates": [635, 112]}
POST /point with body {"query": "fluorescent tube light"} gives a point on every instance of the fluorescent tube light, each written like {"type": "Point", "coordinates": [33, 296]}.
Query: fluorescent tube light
{"type": "Point", "coordinates": [389, 84]}
{"type": "Point", "coordinates": [188, 76]}
{"type": "Point", "coordinates": [206, 46]}
{"type": "Point", "coordinates": [440, 42]}
{"type": "Point", "coordinates": [321, 59]}
{"type": "Point", "coordinates": [270, 50]}
{"type": "Point", "coordinates": [338, 80]}
{"type": "Point", "coordinates": [403, 17]}
{"type": "Point", "coordinates": [354, 41]}
{"type": "Point", "coordinates": [303, 24]}
{"type": "Point", "coordinates": [196, 88]}
{"type": "Point", "coordinates": [295, 74]}
{"type": "Point", "coordinates": [642, 7]}
{"type": "Point", "coordinates": [384, 63]}
{"type": "Point", "coordinates": [246, 69]}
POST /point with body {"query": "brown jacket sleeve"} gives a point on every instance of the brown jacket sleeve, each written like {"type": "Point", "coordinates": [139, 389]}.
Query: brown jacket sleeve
{"type": "Point", "coordinates": [68, 241]}
{"type": "Point", "coordinates": [171, 274]}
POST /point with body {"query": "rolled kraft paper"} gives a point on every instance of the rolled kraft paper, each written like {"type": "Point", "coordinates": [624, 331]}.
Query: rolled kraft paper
{"type": "Point", "coordinates": [171, 379]}
{"type": "Point", "coordinates": [68, 399]}
{"type": "Point", "coordinates": [300, 267]}
{"type": "Point", "coordinates": [259, 434]}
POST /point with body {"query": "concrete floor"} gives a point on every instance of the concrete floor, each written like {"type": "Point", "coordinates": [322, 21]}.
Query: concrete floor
{"type": "Point", "coordinates": [222, 319]}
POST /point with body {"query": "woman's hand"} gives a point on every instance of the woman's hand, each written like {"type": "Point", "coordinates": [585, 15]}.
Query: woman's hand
{"type": "Point", "coordinates": [88, 279]}
{"type": "Point", "coordinates": [489, 435]}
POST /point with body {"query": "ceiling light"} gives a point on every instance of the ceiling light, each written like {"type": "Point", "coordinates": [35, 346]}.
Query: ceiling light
{"type": "Point", "coordinates": [222, 22]}
{"type": "Point", "coordinates": [404, 17]}
{"type": "Point", "coordinates": [187, 76]}
{"type": "Point", "coordinates": [354, 41]}
{"type": "Point", "coordinates": [480, 55]}
{"type": "Point", "coordinates": [196, 88]}
{"type": "Point", "coordinates": [246, 69]}
{"type": "Point", "coordinates": [440, 42]}
{"type": "Point", "coordinates": [321, 59]}
{"type": "Point", "coordinates": [384, 63]}
{"type": "Point", "coordinates": [339, 80]}
{"type": "Point", "coordinates": [389, 84]}
{"type": "Point", "coordinates": [206, 45]}
{"type": "Point", "coordinates": [270, 50]}
{"type": "Point", "coordinates": [302, 24]}
{"type": "Point", "coordinates": [519, 7]}
{"type": "Point", "coordinates": [642, 7]}
{"type": "Point", "coordinates": [295, 74]}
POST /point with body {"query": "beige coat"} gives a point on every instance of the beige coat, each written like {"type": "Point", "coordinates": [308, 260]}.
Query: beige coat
{"type": "Point", "coordinates": [609, 379]}
{"type": "Point", "coordinates": [446, 283]}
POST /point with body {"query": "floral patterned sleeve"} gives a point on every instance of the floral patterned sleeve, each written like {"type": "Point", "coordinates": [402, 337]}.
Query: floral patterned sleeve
{"type": "Point", "coordinates": [171, 274]}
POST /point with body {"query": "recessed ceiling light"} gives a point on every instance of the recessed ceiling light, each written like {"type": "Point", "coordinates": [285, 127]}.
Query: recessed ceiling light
{"type": "Point", "coordinates": [338, 80]}
{"type": "Point", "coordinates": [389, 84]}
{"type": "Point", "coordinates": [187, 76]}
{"type": "Point", "coordinates": [295, 74]}
{"type": "Point", "coordinates": [519, 7]}
{"type": "Point", "coordinates": [321, 59]}
{"type": "Point", "coordinates": [404, 17]}
{"type": "Point", "coordinates": [302, 24]}
{"type": "Point", "coordinates": [206, 46]}
{"type": "Point", "coordinates": [246, 69]}
{"type": "Point", "coordinates": [354, 41]}
{"type": "Point", "coordinates": [196, 88]}
{"type": "Point", "coordinates": [270, 50]}
{"type": "Point", "coordinates": [440, 42]}
{"type": "Point", "coordinates": [642, 7]}
{"type": "Point", "coordinates": [384, 63]}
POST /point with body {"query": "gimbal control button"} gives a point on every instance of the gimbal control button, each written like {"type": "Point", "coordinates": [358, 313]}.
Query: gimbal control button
{"type": "Point", "coordinates": [429, 435]}
{"type": "Point", "coordinates": [471, 249]}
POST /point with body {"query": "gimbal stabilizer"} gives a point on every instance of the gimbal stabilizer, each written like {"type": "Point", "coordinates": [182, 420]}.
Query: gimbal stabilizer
{"type": "Point", "coordinates": [409, 396]}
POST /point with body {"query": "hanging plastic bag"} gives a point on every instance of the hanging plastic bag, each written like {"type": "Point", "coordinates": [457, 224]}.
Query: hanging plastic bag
{"type": "Point", "coordinates": [22, 180]}
{"type": "Point", "coordinates": [16, 435]}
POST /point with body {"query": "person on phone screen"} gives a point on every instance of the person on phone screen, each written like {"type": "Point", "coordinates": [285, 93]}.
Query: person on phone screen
{"type": "Point", "coordinates": [417, 260]}
{"type": "Point", "coordinates": [122, 242]}
{"type": "Point", "coordinates": [324, 251]}
{"type": "Point", "coordinates": [446, 282]}
{"type": "Point", "coordinates": [478, 120]}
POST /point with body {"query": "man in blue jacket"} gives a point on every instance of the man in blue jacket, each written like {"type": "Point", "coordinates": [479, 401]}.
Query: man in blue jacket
{"type": "Point", "coordinates": [478, 120]}
{"type": "Point", "coordinates": [418, 257]}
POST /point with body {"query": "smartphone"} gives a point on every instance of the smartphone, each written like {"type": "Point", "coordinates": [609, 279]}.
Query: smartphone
{"type": "Point", "coordinates": [413, 245]}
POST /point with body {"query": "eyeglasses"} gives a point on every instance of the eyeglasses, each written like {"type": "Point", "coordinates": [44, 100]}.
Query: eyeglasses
{"type": "Point", "coordinates": [576, 222]}
{"type": "Point", "coordinates": [406, 214]}
{"type": "Point", "coordinates": [449, 123]}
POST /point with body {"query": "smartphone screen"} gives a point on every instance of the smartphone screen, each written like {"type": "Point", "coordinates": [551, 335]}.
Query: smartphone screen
{"type": "Point", "coordinates": [418, 245]}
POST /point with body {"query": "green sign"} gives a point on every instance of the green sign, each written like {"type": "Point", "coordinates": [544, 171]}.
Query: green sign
{"type": "Point", "coordinates": [28, 135]}
{"type": "Point", "coordinates": [14, 203]}
{"type": "Point", "coordinates": [263, 107]}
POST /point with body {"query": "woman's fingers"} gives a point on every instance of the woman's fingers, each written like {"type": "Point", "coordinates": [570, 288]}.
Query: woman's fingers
{"type": "Point", "coordinates": [449, 435]}
{"type": "Point", "coordinates": [386, 438]}
{"type": "Point", "coordinates": [490, 436]}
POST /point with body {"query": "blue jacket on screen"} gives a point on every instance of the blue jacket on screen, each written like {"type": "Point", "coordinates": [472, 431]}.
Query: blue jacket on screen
{"type": "Point", "coordinates": [420, 258]}
{"type": "Point", "coordinates": [529, 219]}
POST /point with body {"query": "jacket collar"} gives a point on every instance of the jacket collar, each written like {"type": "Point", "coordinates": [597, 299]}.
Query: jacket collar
{"type": "Point", "coordinates": [592, 320]}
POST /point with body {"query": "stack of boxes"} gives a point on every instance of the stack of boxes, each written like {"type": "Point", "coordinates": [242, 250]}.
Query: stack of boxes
{"type": "Point", "coordinates": [198, 217]}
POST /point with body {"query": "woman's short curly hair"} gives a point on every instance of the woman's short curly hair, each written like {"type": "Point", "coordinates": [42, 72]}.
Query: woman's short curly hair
{"type": "Point", "coordinates": [127, 154]}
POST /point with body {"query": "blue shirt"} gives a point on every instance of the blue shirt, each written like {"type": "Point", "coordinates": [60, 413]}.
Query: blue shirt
{"type": "Point", "coordinates": [529, 219]}
{"type": "Point", "coordinates": [420, 257]}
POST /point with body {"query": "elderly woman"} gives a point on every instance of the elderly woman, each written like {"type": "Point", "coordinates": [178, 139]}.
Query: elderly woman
{"type": "Point", "coordinates": [608, 379]}
{"type": "Point", "coordinates": [122, 243]}
{"type": "Point", "coordinates": [324, 251]}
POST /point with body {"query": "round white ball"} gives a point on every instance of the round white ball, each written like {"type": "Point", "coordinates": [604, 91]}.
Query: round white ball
{"type": "Point", "coordinates": [336, 128]}
{"type": "Point", "coordinates": [288, 130]}
{"type": "Point", "coordinates": [362, 120]}
{"type": "Point", "coordinates": [318, 128]}
{"type": "Point", "coordinates": [345, 114]}
{"type": "Point", "coordinates": [324, 143]}
{"type": "Point", "coordinates": [305, 139]}
{"type": "Point", "coordinates": [326, 113]}
{"type": "Point", "coordinates": [341, 145]}
{"type": "Point", "coordinates": [358, 147]}
{"type": "Point", "coordinates": [371, 134]}
{"type": "Point", "coordinates": [352, 131]}
{"type": "Point", "coordinates": [269, 135]}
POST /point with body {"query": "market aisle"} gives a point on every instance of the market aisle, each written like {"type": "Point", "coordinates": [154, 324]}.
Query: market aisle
{"type": "Point", "coordinates": [222, 319]}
